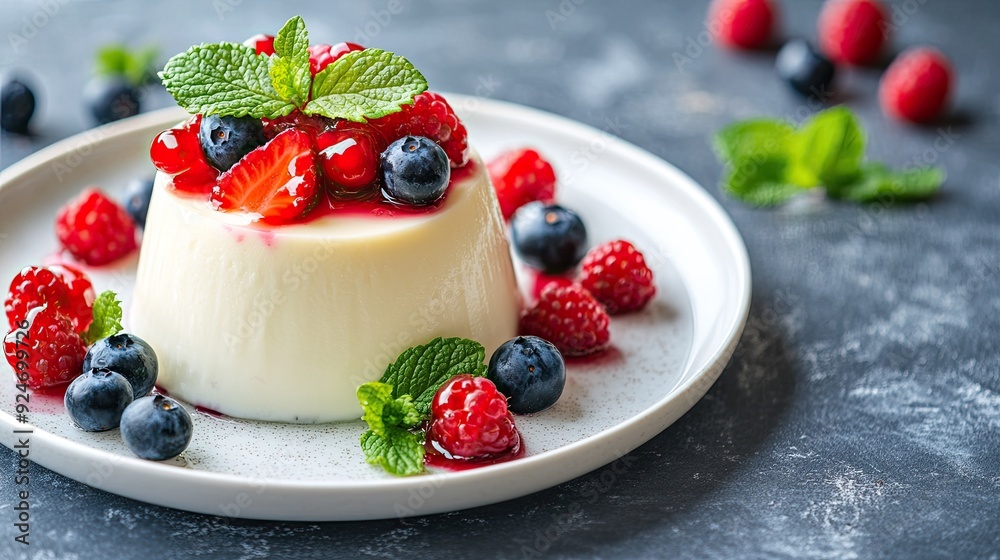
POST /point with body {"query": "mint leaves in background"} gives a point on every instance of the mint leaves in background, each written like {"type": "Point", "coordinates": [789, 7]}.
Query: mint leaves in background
{"type": "Point", "coordinates": [397, 406]}
{"type": "Point", "coordinates": [231, 79]}
{"type": "Point", "coordinates": [138, 67]}
{"type": "Point", "coordinates": [769, 161]}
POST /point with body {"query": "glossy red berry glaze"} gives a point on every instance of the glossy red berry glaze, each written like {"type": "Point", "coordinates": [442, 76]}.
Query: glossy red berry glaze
{"type": "Point", "coordinates": [95, 229]}
{"type": "Point", "coordinates": [348, 154]}
{"type": "Point", "coordinates": [742, 24]}
{"type": "Point", "coordinates": [262, 44]}
{"type": "Point", "coordinates": [321, 56]}
{"type": "Point", "coordinates": [47, 352]}
{"type": "Point", "coordinates": [917, 85]}
{"type": "Point", "coordinates": [470, 420]}
{"type": "Point", "coordinates": [853, 31]}
{"type": "Point", "coordinates": [62, 287]}
{"type": "Point", "coordinates": [177, 151]}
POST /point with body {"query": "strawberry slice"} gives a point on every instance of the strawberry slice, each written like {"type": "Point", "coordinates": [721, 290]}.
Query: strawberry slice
{"type": "Point", "coordinates": [276, 181]}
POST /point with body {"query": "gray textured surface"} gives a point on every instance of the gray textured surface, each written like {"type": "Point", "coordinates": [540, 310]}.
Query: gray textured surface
{"type": "Point", "coordinates": [861, 415]}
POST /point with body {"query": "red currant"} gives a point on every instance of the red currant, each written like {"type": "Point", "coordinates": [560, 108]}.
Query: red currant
{"type": "Point", "coordinates": [349, 155]}
{"type": "Point", "coordinates": [177, 151]}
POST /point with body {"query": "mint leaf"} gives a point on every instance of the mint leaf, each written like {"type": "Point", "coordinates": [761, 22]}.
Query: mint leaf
{"type": "Point", "coordinates": [383, 412]}
{"type": "Point", "coordinates": [289, 69]}
{"type": "Point", "coordinates": [365, 85]}
{"type": "Point", "coordinates": [135, 66]}
{"type": "Point", "coordinates": [421, 370]}
{"type": "Point", "coordinates": [754, 139]}
{"type": "Point", "coordinates": [226, 79]}
{"type": "Point", "coordinates": [877, 182]}
{"type": "Point", "coordinates": [828, 149]}
{"type": "Point", "coordinates": [400, 452]}
{"type": "Point", "coordinates": [107, 318]}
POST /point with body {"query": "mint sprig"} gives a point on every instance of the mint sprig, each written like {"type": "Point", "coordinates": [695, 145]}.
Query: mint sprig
{"type": "Point", "coordinates": [397, 406]}
{"type": "Point", "coordinates": [770, 161]}
{"type": "Point", "coordinates": [136, 66]}
{"type": "Point", "coordinates": [232, 80]}
{"type": "Point", "coordinates": [107, 318]}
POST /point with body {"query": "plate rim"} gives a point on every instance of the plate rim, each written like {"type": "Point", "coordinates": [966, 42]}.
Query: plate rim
{"type": "Point", "coordinates": [654, 418]}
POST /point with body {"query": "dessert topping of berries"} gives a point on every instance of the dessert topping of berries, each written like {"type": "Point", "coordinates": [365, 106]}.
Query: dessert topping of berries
{"type": "Point", "coordinates": [156, 428]}
{"type": "Point", "coordinates": [275, 182]}
{"type": "Point", "coordinates": [550, 238]}
{"type": "Point", "coordinates": [521, 176]}
{"type": "Point", "coordinates": [917, 85]}
{"type": "Point", "coordinates": [349, 156]}
{"type": "Point", "coordinates": [853, 31]}
{"type": "Point", "coordinates": [415, 171]}
{"type": "Point", "coordinates": [530, 371]}
{"type": "Point", "coordinates": [570, 318]}
{"type": "Point", "coordinates": [95, 229]}
{"type": "Point", "coordinates": [177, 152]}
{"type": "Point", "coordinates": [64, 288]}
{"type": "Point", "coordinates": [321, 56]}
{"type": "Point", "coordinates": [470, 420]}
{"type": "Point", "coordinates": [616, 274]}
{"type": "Point", "coordinates": [742, 24]}
{"type": "Point", "coordinates": [44, 349]}
{"type": "Point", "coordinates": [261, 44]}
{"type": "Point", "coordinates": [430, 116]}
{"type": "Point", "coordinates": [225, 140]}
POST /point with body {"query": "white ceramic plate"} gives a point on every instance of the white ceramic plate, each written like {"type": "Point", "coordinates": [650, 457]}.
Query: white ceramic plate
{"type": "Point", "coordinates": [664, 359]}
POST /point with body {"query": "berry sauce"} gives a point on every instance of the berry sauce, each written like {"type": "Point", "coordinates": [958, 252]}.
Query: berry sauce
{"type": "Point", "coordinates": [373, 205]}
{"type": "Point", "coordinates": [211, 412]}
{"type": "Point", "coordinates": [436, 458]}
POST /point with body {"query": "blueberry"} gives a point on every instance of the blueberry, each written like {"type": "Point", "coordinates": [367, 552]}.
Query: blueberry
{"type": "Point", "coordinates": [225, 140]}
{"type": "Point", "coordinates": [95, 400]}
{"type": "Point", "coordinates": [530, 371]}
{"type": "Point", "coordinates": [416, 170]}
{"type": "Point", "coordinates": [111, 98]}
{"type": "Point", "coordinates": [17, 105]}
{"type": "Point", "coordinates": [127, 355]}
{"type": "Point", "coordinates": [804, 68]}
{"type": "Point", "coordinates": [549, 237]}
{"type": "Point", "coordinates": [156, 428]}
{"type": "Point", "coordinates": [137, 200]}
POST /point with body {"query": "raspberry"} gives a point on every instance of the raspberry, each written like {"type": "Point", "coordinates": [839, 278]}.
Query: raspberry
{"type": "Point", "coordinates": [62, 287]}
{"type": "Point", "coordinates": [616, 274]}
{"type": "Point", "coordinates": [321, 56]}
{"type": "Point", "coordinates": [431, 116]}
{"type": "Point", "coordinates": [521, 176]}
{"type": "Point", "coordinates": [543, 281]}
{"type": "Point", "coordinates": [47, 353]}
{"type": "Point", "coordinates": [262, 44]}
{"type": "Point", "coordinates": [570, 318]}
{"type": "Point", "coordinates": [95, 229]}
{"type": "Point", "coordinates": [470, 420]}
{"type": "Point", "coordinates": [917, 85]}
{"type": "Point", "coordinates": [852, 31]}
{"type": "Point", "coordinates": [742, 24]}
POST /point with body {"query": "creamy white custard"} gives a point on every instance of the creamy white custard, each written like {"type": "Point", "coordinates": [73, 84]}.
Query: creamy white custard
{"type": "Point", "coordinates": [282, 323]}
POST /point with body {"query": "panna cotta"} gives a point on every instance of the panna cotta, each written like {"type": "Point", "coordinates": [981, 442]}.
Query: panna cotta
{"type": "Point", "coordinates": [283, 323]}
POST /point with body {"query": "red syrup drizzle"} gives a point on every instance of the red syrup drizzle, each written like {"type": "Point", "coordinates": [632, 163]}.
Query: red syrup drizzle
{"type": "Point", "coordinates": [210, 412]}
{"type": "Point", "coordinates": [373, 204]}
{"type": "Point", "coordinates": [434, 457]}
